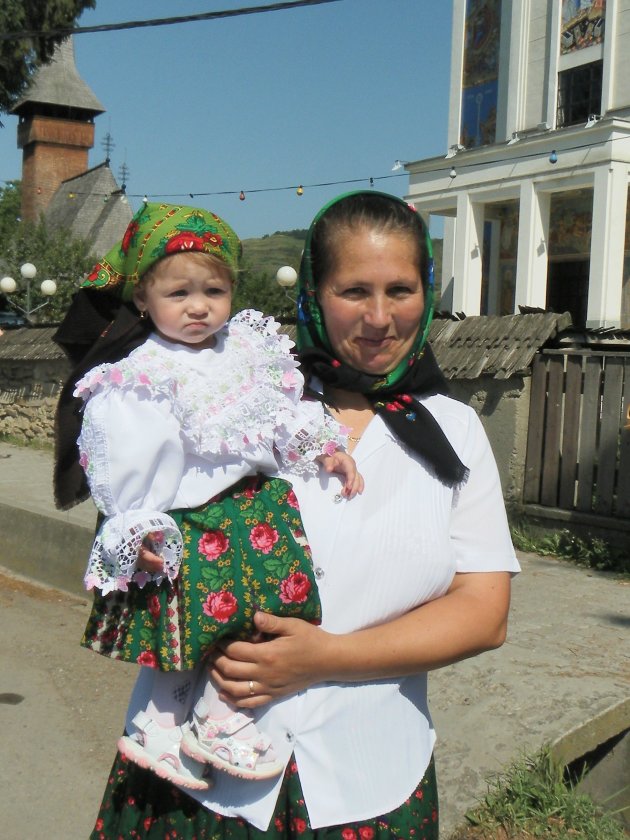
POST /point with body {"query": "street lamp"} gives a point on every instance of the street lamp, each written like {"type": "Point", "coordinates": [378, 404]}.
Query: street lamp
{"type": "Point", "coordinates": [28, 272]}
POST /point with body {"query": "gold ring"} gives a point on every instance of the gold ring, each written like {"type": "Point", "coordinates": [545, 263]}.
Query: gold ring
{"type": "Point", "coordinates": [251, 687]}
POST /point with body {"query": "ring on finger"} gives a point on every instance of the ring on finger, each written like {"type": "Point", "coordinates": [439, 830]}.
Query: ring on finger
{"type": "Point", "coordinates": [251, 688]}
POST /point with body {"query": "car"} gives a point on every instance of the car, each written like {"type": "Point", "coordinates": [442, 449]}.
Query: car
{"type": "Point", "coordinates": [11, 320]}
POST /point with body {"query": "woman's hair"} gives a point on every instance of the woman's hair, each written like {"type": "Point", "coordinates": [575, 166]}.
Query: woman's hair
{"type": "Point", "coordinates": [197, 256]}
{"type": "Point", "coordinates": [371, 211]}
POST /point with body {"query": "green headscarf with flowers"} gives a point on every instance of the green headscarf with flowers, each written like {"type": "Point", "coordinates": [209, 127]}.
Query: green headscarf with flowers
{"type": "Point", "coordinates": [157, 231]}
{"type": "Point", "coordinates": [393, 394]}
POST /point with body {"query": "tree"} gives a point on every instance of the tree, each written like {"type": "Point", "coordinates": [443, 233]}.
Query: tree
{"type": "Point", "coordinates": [20, 56]}
{"type": "Point", "coordinates": [10, 201]}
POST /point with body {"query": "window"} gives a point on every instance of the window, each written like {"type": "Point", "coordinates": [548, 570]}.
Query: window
{"type": "Point", "coordinates": [579, 94]}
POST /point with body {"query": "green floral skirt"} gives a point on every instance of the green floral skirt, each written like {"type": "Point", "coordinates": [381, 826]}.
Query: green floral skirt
{"type": "Point", "coordinates": [137, 804]}
{"type": "Point", "coordinates": [245, 550]}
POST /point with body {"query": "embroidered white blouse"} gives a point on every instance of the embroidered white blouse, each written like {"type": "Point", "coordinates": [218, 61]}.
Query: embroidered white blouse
{"type": "Point", "coordinates": [361, 749]}
{"type": "Point", "coordinates": [170, 426]}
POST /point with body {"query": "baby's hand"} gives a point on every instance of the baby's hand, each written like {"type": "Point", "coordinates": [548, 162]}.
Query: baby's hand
{"type": "Point", "coordinates": [148, 560]}
{"type": "Point", "coordinates": [344, 464]}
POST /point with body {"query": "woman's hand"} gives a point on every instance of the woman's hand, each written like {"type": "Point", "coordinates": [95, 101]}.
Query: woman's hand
{"type": "Point", "coordinates": [250, 674]}
{"type": "Point", "coordinates": [470, 618]}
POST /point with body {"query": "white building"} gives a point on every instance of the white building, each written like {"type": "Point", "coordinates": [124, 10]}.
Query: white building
{"type": "Point", "coordinates": [534, 186]}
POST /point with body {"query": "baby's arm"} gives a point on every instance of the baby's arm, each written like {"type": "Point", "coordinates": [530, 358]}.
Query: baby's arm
{"type": "Point", "coordinates": [344, 464]}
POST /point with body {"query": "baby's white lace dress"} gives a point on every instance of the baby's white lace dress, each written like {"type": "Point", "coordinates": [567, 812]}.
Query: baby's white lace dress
{"type": "Point", "coordinates": [170, 427]}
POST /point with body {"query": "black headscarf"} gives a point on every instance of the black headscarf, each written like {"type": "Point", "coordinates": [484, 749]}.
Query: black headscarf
{"type": "Point", "coordinates": [393, 395]}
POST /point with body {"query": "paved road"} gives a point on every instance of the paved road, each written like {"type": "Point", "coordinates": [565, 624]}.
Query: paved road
{"type": "Point", "coordinates": [564, 674]}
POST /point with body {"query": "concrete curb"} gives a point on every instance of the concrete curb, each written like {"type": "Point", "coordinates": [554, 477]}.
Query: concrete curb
{"type": "Point", "coordinates": [51, 551]}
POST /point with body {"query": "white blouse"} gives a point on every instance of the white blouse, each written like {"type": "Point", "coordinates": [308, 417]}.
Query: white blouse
{"type": "Point", "coordinates": [171, 426]}
{"type": "Point", "coordinates": [361, 749]}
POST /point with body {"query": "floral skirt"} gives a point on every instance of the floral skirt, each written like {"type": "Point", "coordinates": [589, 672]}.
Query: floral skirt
{"type": "Point", "coordinates": [137, 804]}
{"type": "Point", "coordinates": [245, 550]}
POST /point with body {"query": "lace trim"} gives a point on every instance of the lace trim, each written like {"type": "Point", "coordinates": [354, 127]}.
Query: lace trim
{"type": "Point", "coordinates": [247, 396]}
{"type": "Point", "coordinates": [114, 556]}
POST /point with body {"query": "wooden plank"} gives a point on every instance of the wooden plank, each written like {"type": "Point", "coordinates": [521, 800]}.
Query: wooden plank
{"type": "Point", "coordinates": [553, 427]}
{"type": "Point", "coordinates": [535, 430]}
{"type": "Point", "coordinates": [570, 432]}
{"type": "Point", "coordinates": [609, 436]}
{"type": "Point", "coordinates": [588, 432]}
{"type": "Point", "coordinates": [622, 502]}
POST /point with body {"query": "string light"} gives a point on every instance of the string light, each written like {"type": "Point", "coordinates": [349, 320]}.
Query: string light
{"type": "Point", "coordinates": [453, 173]}
{"type": "Point", "coordinates": [241, 195]}
{"type": "Point", "coordinates": [553, 157]}
{"type": "Point", "coordinates": [300, 190]}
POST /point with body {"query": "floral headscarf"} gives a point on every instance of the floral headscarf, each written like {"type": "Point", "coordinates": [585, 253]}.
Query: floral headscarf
{"type": "Point", "coordinates": [159, 230]}
{"type": "Point", "coordinates": [393, 395]}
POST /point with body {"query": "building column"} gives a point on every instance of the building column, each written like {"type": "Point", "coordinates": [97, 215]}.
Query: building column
{"type": "Point", "coordinates": [467, 261]}
{"type": "Point", "coordinates": [533, 238]}
{"type": "Point", "coordinates": [610, 197]}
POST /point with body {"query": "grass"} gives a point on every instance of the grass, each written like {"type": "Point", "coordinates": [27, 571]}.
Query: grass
{"type": "Point", "coordinates": [592, 552]}
{"type": "Point", "coordinates": [532, 799]}
{"type": "Point", "coordinates": [33, 443]}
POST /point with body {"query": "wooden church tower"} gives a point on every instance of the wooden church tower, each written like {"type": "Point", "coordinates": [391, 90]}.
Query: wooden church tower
{"type": "Point", "coordinates": [55, 131]}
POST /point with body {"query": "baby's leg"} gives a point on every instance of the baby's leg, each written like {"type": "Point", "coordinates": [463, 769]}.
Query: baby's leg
{"type": "Point", "coordinates": [169, 704]}
{"type": "Point", "coordinates": [155, 742]}
{"type": "Point", "coordinates": [227, 737]}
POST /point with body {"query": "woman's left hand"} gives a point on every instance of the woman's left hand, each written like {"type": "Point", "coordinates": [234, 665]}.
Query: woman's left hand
{"type": "Point", "coordinates": [250, 674]}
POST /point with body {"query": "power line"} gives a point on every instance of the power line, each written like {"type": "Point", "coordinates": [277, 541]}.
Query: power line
{"type": "Point", "coordinates": [136, 24]}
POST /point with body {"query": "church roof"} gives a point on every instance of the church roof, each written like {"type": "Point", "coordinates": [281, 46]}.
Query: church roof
{"type": "Point", "coordinates": [58, 83]}
{"type": "Point", "coordinates": [92, 206]}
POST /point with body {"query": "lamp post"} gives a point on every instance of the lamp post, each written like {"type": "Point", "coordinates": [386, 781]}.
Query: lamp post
{"type": "Point", "coordinates": [28, 272]}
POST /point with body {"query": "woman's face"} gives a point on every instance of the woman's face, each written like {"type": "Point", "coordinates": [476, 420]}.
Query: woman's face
{"type": "Point", "coordinates": [372, 300]}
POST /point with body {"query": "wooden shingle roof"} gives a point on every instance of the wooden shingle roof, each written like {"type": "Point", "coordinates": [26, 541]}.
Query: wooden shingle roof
{"type": "Point", "coordinates": [93, 207]}
{"type": "Point", "coordinates": [482, 345]}
{"type": "Point", "coordinates": [57, 83]}
{"type": "Point", "coordinates": [492, 345]}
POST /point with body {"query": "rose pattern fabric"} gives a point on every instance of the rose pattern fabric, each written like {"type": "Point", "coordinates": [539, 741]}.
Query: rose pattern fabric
{"type": "Point", "coordinates": [140, 805]}
{"type": "Point", "coordinates": [243, 551]}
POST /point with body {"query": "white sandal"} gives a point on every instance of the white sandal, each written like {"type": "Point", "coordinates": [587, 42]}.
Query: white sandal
{"type": "Point", "coordinates": [157, 748]}
{"type": "Point", "coordinates": [210, 740]}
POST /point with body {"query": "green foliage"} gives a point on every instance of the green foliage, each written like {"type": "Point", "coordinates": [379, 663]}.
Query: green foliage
{"type": "Point", "coordinates": [56, 255]}
{"type": "Point", "coordinates": [592, 552]}
{"type": "Point", "coordinates": [532, 799]}
{"type": "Point", "coordinates": [20, 56]}
{"type": "Point", "coordinates": [10, 201]}
{"type": "Point", "coordinates": [257, 287]}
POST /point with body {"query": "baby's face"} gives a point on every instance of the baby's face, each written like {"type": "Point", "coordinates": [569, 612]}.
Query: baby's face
{"type": "Point", "coordinates": [187, 299]}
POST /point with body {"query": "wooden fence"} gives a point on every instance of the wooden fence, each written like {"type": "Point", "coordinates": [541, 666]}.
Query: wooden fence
{"type": "Point", "coordinates": [578, 447]}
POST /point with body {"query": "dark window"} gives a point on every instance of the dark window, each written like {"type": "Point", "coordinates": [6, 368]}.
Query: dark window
{"type": "Point", "coordinates": [579, 94]}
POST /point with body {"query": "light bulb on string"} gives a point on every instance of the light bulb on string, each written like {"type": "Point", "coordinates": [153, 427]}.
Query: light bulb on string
{"type": "Point", "coordinates": [300, 190]}
{"type": "Point", "coordinates": [452, 173]}
{"type": "Point", "coordinates": [242, 195]}
{"type": "Point", "coordinates": [553, 157]}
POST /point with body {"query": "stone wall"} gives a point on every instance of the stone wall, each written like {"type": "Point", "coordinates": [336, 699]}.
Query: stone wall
{"type": "Point", "coordinates": [28, 397]}
{"type": "Point", "coordinates": [503, 406]}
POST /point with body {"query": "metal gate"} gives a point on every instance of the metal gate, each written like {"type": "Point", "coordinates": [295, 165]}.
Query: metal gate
{"type": "Point", "coordinates": [578, 447]}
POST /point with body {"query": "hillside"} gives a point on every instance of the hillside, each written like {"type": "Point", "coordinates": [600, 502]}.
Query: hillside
{"type": "Point", "coordinates": [265, 256]}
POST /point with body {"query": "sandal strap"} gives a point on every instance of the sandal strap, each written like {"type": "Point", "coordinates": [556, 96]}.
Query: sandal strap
{"type": "Point", "coordinates": [221, 726]}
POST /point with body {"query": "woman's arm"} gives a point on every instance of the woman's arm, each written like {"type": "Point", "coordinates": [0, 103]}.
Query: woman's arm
{"type": "Point", "coordinates": [470, 618]}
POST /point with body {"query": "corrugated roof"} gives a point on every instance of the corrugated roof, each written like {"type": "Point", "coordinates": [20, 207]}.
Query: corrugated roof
{"type": "Point", "coordinates": [97, 211]}
{"type": "Point", "coordinates": [58, 83]}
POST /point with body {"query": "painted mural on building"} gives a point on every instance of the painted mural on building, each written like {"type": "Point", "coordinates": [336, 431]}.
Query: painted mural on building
{"type": "Point", "coordinates": [582, 24]}
{"type": "Point", "coordinates": [481, 72]}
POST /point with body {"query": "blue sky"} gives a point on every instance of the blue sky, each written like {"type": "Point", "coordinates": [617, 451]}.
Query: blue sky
{"type": "Point", "coordinates": [334, 92]}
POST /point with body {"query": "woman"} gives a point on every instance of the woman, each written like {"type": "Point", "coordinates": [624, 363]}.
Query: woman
{"type": "Point", "coordinates": [413, 575]}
